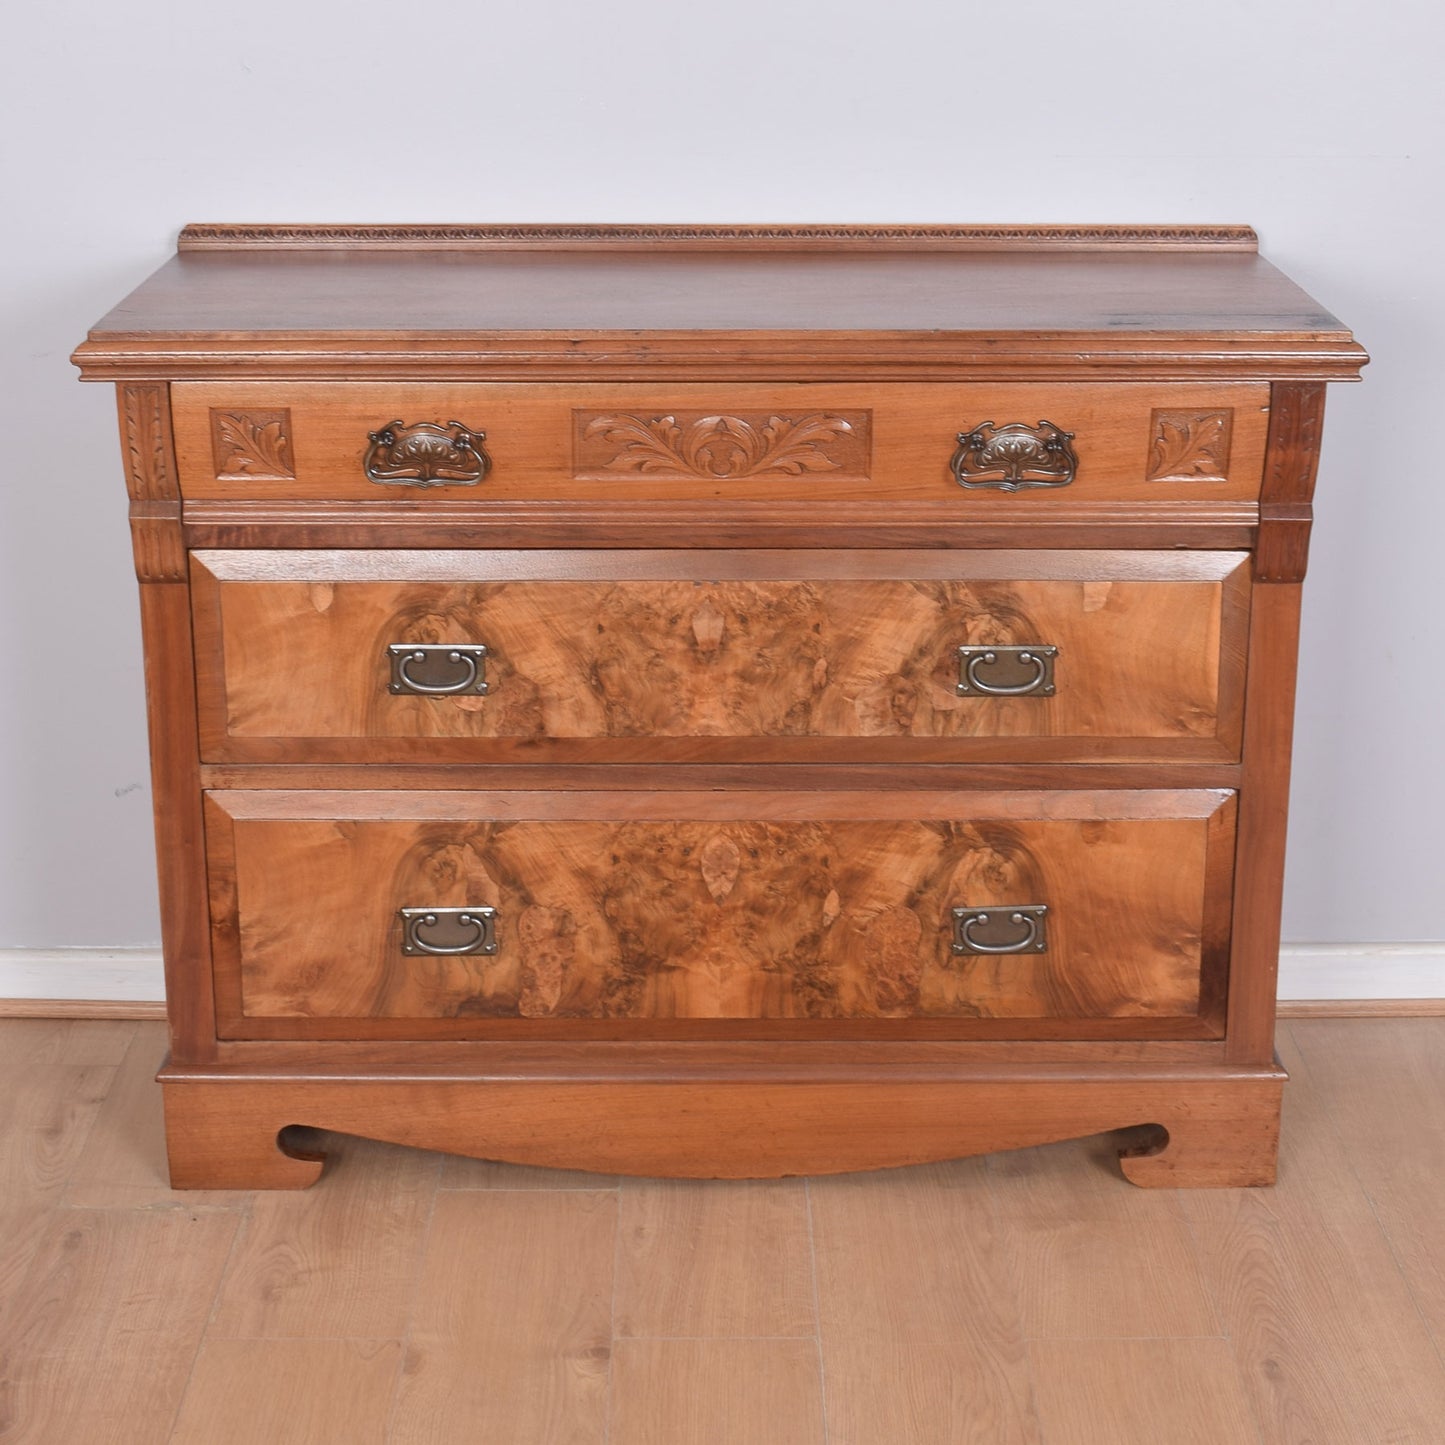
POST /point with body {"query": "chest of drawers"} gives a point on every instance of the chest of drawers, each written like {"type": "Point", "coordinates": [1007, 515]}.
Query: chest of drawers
{"type": "Point", "coordinates": [720, 701]}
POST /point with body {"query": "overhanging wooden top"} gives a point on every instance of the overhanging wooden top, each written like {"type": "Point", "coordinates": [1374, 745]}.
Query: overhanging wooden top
{"type": "Point", "coordinates": [521, 302]}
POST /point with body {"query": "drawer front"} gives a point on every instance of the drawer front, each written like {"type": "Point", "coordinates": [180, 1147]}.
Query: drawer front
{"type": "Point", "coordinates": [964, 446]}
{"type": "Point", "coordinates": [869, 915]}
{"type": "Point", "coordinates": [720, 656]}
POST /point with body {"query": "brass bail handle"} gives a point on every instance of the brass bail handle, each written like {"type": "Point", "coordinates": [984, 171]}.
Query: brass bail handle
{"type": "Point", "coordinates": [1013, 457]}
{"type": "Point", "coordinates": [426, 454]}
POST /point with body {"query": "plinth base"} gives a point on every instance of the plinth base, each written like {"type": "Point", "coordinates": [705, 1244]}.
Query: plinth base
{"type": "Point", "coordinates": [1215, 1128]}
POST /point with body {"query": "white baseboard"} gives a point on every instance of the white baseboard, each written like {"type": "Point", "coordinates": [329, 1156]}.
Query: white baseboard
{"type": "Point", "coordinates": [120, 975]}
{"type": "Point", "coordinates": [1362, 970]}
{"type": "Point", "coordinates": [1306, 971]}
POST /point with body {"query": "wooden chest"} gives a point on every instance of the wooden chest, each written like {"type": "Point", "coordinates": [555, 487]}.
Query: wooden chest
{"type": "Point", "coordinates": [720, 701]}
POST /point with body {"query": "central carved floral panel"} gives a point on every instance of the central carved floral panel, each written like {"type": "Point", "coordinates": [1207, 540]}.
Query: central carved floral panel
{"type": "Point", "coordinates": [703, 446]}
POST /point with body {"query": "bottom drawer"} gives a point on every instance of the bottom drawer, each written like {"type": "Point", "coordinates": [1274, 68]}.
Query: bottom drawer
{"type": "Point", "coordinates": [743, 914]}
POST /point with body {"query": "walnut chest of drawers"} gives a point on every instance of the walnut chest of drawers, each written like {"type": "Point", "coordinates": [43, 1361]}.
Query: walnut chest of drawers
{"type": "Point", "coordinates": [720, 701]}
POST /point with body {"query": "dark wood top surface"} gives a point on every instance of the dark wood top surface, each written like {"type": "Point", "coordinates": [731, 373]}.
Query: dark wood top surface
{"type": "Point", "coordinates": [207, 298]}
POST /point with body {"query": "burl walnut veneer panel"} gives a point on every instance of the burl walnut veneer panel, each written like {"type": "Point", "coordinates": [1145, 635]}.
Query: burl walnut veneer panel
{"type": "Point", "coordinates": [802, 907]}
{"type": "Point", "coordinates": [663, 656]}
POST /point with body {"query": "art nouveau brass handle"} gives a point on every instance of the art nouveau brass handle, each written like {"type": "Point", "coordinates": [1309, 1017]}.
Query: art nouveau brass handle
{"type": "Point", "coordinates": [444, 932]}
{"type": "Point", "coordinates": [426, 454]}
{"type": "Point", "coordinates": [1005, 929]}
{"type": "Point", "coordinates": [437, 669]}
{"type": "Point", "coordinates": [1010, 458]}
{"type": "Point", "coordinates": [1006, 671]}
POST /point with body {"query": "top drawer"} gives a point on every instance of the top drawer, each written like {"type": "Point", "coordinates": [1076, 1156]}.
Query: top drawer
{"type": "Point", "coordinates": [968, 445]}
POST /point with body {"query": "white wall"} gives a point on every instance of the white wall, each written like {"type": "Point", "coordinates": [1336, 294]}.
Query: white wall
{"type": "Point", "coordinates": [1318, 121]}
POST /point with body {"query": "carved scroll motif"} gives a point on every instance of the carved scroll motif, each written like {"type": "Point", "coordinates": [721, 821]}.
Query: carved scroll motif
{"type": "Point", "coordinates": [698, 446]}
{"type": "Point", "coordinates": [252, 446]}
{"type": "Point", "coordinates": [1189, 446]}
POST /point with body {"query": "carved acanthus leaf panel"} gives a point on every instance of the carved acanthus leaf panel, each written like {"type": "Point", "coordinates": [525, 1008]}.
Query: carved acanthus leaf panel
{"type": "Point", "coordinates": [1189, 446]}
{"type": "Point", "coordinates": [701, 446]}
{"type": "Point", "coordinates": [252, 445]}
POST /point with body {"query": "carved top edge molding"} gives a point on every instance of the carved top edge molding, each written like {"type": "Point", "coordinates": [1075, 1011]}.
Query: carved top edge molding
{"type": "Point", "coordinates": [718, 238]}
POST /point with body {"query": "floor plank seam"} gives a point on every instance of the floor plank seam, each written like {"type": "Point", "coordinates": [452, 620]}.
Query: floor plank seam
{"type": "Point", "coordinates": [718, 1339]}
{"type": "Point", "coordinates": [817, 1311]}
{"type": "Point", "coordinates": [613, 1336]}
{"type": "Point", "coordinates": [222, 1275]}
{"type": "Point", "coordinates": [523, 1189]}
{"type": "Point", "coordinates": [996, 1217]}
{"type": "Point", "coordinates": [423, 1244]}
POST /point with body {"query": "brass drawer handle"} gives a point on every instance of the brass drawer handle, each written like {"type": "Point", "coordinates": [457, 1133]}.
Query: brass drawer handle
{"type": "Point", "coordinates": [426, 454]}
{"type": "Point", "coordinates": [431, 669]}
{"type": "Point", "coordinates": [1017, 671]}
{"type": "Point", "coordinates": [452, 930]}
{"type": "Point", "coordinates": [979, 930]}
{"type": "Point", "coordinates": [1010, 458]}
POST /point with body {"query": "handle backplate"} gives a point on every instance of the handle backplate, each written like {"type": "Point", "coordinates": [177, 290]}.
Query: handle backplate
{"type": "Point", "coordinates": [1012, 457]}
{"type": "Point", "coordinates": [426, 454]}
{"type": "Point", "coordinates": [431, 669]}
{"type": "Point", "coordinates": [1006, 671]}
{"type": "Point", "coordinates": [447, 932]}
{"type": "Point", "coordinates": [1007, 928]}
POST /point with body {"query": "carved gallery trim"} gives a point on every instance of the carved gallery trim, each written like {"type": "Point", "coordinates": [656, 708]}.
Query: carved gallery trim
{"type": "Point", "coordinates": [809, 238]}
{"type": "Point", "coordinates": [708, 447]}
{"type": "Point", "coordinates": [1189, 446]}
{"type": "Point", "coordinates": [145, 420]}
{"type": "Point", "coordinates": [252, 446]}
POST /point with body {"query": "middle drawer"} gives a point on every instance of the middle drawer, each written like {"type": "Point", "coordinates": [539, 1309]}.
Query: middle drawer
{"type": "Point", "coordinates": [722, 656]}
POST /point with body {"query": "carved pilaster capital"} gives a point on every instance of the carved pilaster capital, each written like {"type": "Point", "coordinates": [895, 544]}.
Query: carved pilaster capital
{"type": "Point", "coordinates": [145, 430]}
{"type": "Point", "coordinates": [158, 541]}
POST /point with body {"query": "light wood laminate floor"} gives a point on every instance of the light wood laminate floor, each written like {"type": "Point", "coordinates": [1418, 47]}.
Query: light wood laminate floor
{"type": "Point", "coordinates": [1030, 1297]}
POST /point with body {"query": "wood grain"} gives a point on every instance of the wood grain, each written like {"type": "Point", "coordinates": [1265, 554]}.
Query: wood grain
{"type": "Point", "coordinates": [517, 1346]}
{"type": "Point", "coordinates": [175, 795]}
{"type": "Point", "coordinates": [102, 1334]}
{"type": "Point", "coordinates": [863, 646]}
{"type": "Point", "coordinates": [700, 1392]}
{"type": "Point", "coordinates": [1380, 1082]}
{"type": "Point", "coordinates": [532, 438]}
{"type": "Point", "coordinates": [1366, 1112]}
{"type": "Point", "coordinates": [1328, 1339]}
{"type": "Point", "coordinates": [589, 311]}
{"type": "Point", "coordinates": [923, 1263]}
{"type": "Point", "coordinates": [344, 1263]}
{"type": "Point", "coordinates": [1142, 1392]}
{"type": "Point", "coordinates": [963, 1392]}
{"type": "Point", "coordinates": [123, 1159]}
{"type": "Point", "coordinates": [695, 1260]}
{"type": "Point", "coordinates": [450, 521]}
{"type": "Point", "coordinates": [54, 1081]}
{"type": "Point", "coordinates": [292, 1392]}
{"type": "Point", "coordinates": [222, 1128]}
{"type": "Point", "coordinates": [701, 918]}
{"type": "Point", "coordinates": [1296, 423]}
{"type": "Point", "coordinates": [1263, 820]}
